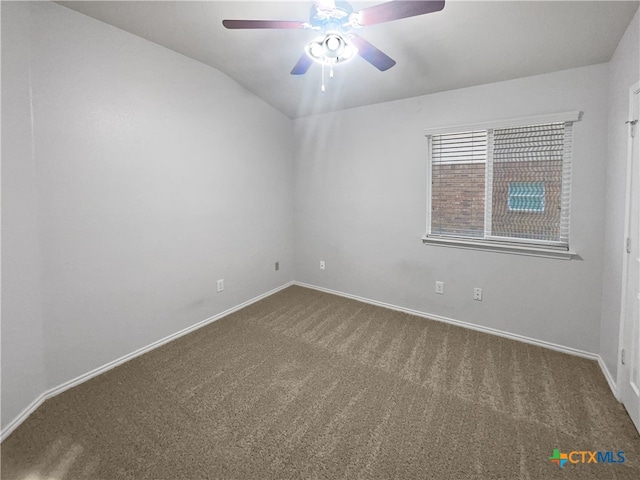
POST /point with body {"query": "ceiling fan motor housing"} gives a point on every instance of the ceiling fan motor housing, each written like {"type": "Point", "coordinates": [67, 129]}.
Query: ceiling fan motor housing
{"type": "Point", "coordinates": [334, 19]}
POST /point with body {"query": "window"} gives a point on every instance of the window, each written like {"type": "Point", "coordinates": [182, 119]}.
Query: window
{"type": "Point", "coordinates": [502, 185]}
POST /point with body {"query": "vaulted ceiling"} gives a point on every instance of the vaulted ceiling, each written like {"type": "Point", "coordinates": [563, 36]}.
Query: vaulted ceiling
{"type": "Point", "coordinates": [467, 43]}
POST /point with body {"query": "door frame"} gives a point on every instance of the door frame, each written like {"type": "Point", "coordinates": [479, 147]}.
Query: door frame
{"type": "Point", "coordinates": [633, 90]}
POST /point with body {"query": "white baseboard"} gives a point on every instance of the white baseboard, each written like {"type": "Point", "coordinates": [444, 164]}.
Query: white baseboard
{"type": "Point", "coordinates": [104, 368]}
{"type": "Point", "coordinates": [480, 328]}
{"type": "Point", "coordinates": [15, 423]}
{"type": "Point", "coordinates": [609, 378]}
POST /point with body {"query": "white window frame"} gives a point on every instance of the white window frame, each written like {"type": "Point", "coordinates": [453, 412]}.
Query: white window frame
{"type": "Point", "coordinates": [497, 244]}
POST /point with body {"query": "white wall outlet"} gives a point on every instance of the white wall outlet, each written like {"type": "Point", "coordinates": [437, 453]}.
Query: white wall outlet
{"type": "Point", "coordinates": [440, 288]}
{"type": "Point", "coordinates": [477, 294]}
{"type": "Point", "coordinates": [321, 264]}
{"type": "Point", "coordinates": [277, 266]}
{"type": "Point", "coordinates": [221, 285]}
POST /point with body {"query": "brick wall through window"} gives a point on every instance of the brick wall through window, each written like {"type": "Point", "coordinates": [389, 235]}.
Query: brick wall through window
{"type": "Point", "coordinates": [458, 193]}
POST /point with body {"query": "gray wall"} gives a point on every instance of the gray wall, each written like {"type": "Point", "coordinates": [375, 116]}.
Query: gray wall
{"type": "Point", "coordinates": [156, 176]}
{"type": "Point", "coordinates": [624, 71]}
{"type": "Point", "coordinates": [360, 205]}
{"type": "Point", "coordinates": [23, 376]}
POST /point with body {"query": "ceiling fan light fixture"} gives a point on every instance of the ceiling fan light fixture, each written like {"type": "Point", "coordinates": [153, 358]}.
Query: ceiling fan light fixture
{"type": "Point", "coordinates": [349, 52]}
{"type": "Point", "coordinates": [333, 44]}
{"type": "Point", "coordinates": [315, 50]}
{"type": "Point", "coordinates": [330, 49]}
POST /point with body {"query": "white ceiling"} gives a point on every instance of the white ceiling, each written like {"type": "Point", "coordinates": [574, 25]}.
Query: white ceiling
{"type": "Point", "coordinates": [467, 43]}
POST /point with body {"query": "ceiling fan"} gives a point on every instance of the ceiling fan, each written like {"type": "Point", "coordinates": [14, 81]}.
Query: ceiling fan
{"type": "Point", "coordinates": [335, 21]}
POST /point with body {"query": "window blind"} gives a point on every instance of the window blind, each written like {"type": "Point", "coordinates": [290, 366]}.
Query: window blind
{"type": "Point", "coordinates": [463, 147]}
{"type": "Point", "coordinates": [457, 179]}
{"type": "Point", "coordinates": [528, 160]}
{"type": "Point", "coordinates": [509, 184]}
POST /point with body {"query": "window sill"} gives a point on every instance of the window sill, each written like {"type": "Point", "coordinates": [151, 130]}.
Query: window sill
{"type": "Point", "coordinates": [512, 248]}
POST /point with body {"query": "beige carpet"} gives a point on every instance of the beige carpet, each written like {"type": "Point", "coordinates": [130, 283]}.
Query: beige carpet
{"type": "Point", "coordinates": [306, 385]}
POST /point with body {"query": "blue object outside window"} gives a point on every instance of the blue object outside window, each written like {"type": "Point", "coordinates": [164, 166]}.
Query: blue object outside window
{"type": "Point", "coordinates": [526, 196]}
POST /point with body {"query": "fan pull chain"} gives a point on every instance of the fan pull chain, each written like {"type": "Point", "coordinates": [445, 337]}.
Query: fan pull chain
{"type": "Point", "coordinates": [322, 88]}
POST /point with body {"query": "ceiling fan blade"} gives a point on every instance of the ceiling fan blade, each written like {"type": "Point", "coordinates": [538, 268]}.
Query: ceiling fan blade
{"type": "Point", "coordinates": [387, 12]}
{"type": "Point", "coordinates": [373, 55]}
{"type": "Point", "coordinates": [244, 24]}
{"type": "Point", "coordinates": [303, 64]}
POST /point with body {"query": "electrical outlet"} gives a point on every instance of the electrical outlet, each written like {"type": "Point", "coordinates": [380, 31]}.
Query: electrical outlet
{"type": "Point", "coordinates": [321, 264]}
{"type": "Point", "coordinates": [277, 266]}
{"type": "Point", "coordinates": [477, 294]}
{"type": "Point", "coordinates": [221, 285]}
{"type": "Point", "coordinates": [440, 288]}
